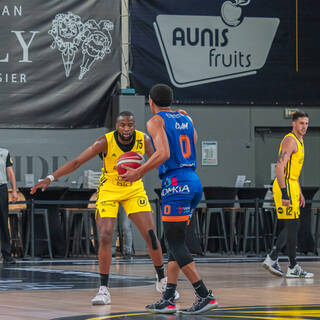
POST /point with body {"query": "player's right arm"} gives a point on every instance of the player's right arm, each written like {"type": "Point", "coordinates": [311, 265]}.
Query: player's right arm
{"type": "Point", "coordinates": [288, 147]}
{"type": "Point", "coordinates": [156, 129]}
{"type": "Point", "coordinates": [99, 146]}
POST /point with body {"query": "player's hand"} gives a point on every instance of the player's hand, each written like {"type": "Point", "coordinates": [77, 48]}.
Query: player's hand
{"type": "Point", "coordinates": [286, 203]}
{"type": "Point", "coordinates": [183, 112]}
{"type": "Point", "coordinates": [130, 175]}
{"type": "Point", "coordinates": [14, 196]}
{"type": "Point", "coordinates": [302, 201]}
{"type": "Point", "coordinates": [43, 184]}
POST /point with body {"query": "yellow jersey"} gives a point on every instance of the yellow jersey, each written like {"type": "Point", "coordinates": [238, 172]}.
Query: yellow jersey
{"type": "Point", "coordinates": [294, 165]}
{"type": "Point", "coordinates": [109, 170]}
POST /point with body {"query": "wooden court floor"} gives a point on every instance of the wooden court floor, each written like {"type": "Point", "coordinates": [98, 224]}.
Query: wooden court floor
{"type": "Point", "coordinates": [63, 291]}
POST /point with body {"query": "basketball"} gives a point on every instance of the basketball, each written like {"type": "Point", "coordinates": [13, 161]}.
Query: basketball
{"type": "Point", "coordinates": [130, 159]}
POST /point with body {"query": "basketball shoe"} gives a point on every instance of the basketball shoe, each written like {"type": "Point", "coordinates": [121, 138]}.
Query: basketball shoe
{"type": "Point", "coordinates": [161, 286]}
{"type": "Point", "coordinates": [163, 306]}
{"type": "Point", "coordinates": [103, 297]}
{"type": "Point", "coordinates": [298, 272]}
{"type": "Point", "coordinates": [202, 305]}
{"type": "Point", "coordinates": [272, 266]}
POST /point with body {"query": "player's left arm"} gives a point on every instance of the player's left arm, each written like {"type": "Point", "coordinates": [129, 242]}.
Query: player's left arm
{"type": "Point", "coordinates": [100, 145]}
{"type": "Point", "coordinates": [302, 199]}
{"type": "Point", "coordinates": [148, 146]}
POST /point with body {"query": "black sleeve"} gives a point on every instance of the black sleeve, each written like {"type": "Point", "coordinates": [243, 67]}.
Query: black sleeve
{"type": "Point", "coordinates": [9, 161]}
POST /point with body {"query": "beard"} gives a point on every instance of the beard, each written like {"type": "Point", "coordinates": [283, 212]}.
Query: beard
{"type": "Point", "coordinates": [125, 138]}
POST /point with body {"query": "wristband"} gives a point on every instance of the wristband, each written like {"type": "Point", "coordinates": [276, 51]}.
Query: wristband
{"type": "Point", "coordinates": [284, 194]}
{"type": "Point", "coordinates": [51, 177]}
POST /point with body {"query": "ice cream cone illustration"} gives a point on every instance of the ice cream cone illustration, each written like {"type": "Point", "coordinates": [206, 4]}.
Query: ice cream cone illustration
{"type": "Point", "coordinates": [87, 62]}
{"type": "Point", "coordinates": [67, 58]}
{"type": "Point", "coordinates": [96, 44]}
{"type": "Point", "coordinates": [67, 32]}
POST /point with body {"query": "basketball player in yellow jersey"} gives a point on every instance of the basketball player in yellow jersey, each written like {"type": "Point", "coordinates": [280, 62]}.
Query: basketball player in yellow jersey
{"type": "Point", "coordinates": [112, 191]}
{"type": "Point", "coordinates": [288, 197]}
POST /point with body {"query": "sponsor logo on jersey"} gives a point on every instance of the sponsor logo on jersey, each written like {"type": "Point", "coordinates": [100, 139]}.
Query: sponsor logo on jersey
{"type": "Point", "coordinates": [174, 115]}
{"type": "Point", "coordinates": [171, 182]}
{"type": "Point", "coordinates": [184, 210]}
{"type": "Point", "coordinates": [175, 190]}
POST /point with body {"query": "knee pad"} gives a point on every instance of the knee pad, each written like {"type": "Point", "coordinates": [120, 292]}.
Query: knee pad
{"type": "Point", "coordinates": [170, 256]}
{"type": "Point", "coordinates": [153, 238]}
{"type": "Point", "coordinates": [183, 256]}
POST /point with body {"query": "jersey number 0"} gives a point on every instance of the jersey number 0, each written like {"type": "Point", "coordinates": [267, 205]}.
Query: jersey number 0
{"type": "Point", "coordinates": [185, 146]}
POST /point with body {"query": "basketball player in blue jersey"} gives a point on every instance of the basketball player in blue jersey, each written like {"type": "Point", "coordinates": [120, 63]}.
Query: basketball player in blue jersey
{"type": "Point", "coordinates": [174, 138]}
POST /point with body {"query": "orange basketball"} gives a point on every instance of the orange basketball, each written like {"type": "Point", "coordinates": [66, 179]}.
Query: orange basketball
{"type": "Point", "coordinates": [130, 159]}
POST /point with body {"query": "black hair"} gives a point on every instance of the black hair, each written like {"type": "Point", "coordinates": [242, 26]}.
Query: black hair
{"type": "Point", "coordinates": [125, 114]}
{"type": "Point", "coordinates": [162, 95]}
{"type": "Point", "coordinates": [299, 114]}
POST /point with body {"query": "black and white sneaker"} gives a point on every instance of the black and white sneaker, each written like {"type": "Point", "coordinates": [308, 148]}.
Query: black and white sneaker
{"type": "Point", "coordinates": [163, 306]}
{"type": "Point", "coordinates": [272, 266]}
{"type": "Point", "coordinates": [202, 305]}
{"type": "Point", "coordinates": [298, 272]}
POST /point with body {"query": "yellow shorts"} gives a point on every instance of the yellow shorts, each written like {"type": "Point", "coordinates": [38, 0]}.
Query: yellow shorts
{"type": "Point", "coordinates": [133, 199]}
{"type": "Point", "coordinates": [292, 211]}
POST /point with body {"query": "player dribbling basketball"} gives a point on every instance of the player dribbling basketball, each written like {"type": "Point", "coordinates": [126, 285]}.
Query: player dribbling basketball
{"type": "Point", "coordinates": [113, 190]}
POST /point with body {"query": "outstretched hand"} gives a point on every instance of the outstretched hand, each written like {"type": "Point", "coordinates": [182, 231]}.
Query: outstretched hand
{"type": "Point", "coordinates": [44, 184]}
{"type": "Point", "coordinates": [130, 175]}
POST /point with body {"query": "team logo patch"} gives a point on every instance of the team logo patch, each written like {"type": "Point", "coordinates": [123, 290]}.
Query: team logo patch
{"type": "Point", "coordinates": [142, 202]}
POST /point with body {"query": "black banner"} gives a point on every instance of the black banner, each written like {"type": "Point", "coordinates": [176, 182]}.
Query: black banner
{"type": "Point", "coordinates": [60, 61]}
{"type": "Point", "coordinates": [262, 52]}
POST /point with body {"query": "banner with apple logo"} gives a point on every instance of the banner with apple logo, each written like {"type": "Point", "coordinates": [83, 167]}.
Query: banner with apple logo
{"type": "Point", "coordinates": [226, 51]}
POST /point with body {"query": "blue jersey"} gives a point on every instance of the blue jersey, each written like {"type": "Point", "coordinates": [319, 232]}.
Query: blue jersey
{"type": "Point", "coordinates": [180, 133]}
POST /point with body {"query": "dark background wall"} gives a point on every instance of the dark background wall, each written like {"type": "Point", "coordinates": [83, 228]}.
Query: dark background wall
{"type": "Point", "coordinates": [248, 139]}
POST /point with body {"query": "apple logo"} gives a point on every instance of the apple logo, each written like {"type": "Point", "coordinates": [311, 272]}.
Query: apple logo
{"type": "Point", "coordinates": [231, 12]}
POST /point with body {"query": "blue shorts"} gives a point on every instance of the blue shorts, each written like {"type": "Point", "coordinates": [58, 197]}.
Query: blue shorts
{"type": "Point", "coordinates": [181, 191]}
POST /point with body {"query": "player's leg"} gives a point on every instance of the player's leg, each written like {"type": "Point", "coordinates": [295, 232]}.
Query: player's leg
{"type": "Point", "coordinates": [271, 262]}
{"type": "Point", "coordinates": [105, 230]}
{"type": "Point", "coordinates": [294, 270]}
{"type": "Point", "coordinates": [105, 217]}
{"type": "Point", "coordinates": [139, 212]}
{"type": "Point", "coordinates": [176, 211]}
{"type": "Point", "coordinates": [125, 233]}
{"type": "Point", "coordinates": [144, 222]}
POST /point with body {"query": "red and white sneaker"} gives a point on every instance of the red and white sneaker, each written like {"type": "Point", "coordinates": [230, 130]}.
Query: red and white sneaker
{"type": "Point", "coordinates": [202, 305]}
{"type": "Point", "coordinates": [163, 306]}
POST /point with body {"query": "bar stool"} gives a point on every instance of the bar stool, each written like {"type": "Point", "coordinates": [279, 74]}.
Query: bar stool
{"type": "Point", "coordinates": [316, 234]}
{"type": "Point", "coordinates": [44, 214]}
{"type": "Point", "coordinates": [15, 214]}
{"type": "Point", "coordinates": [218, 211]}
{"type": "Point", "coordinates": [80, 226]}
{"type": "Point", "coordinates": [251, 214]}
{"type": "Point", "coordinates": [305, 242]}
